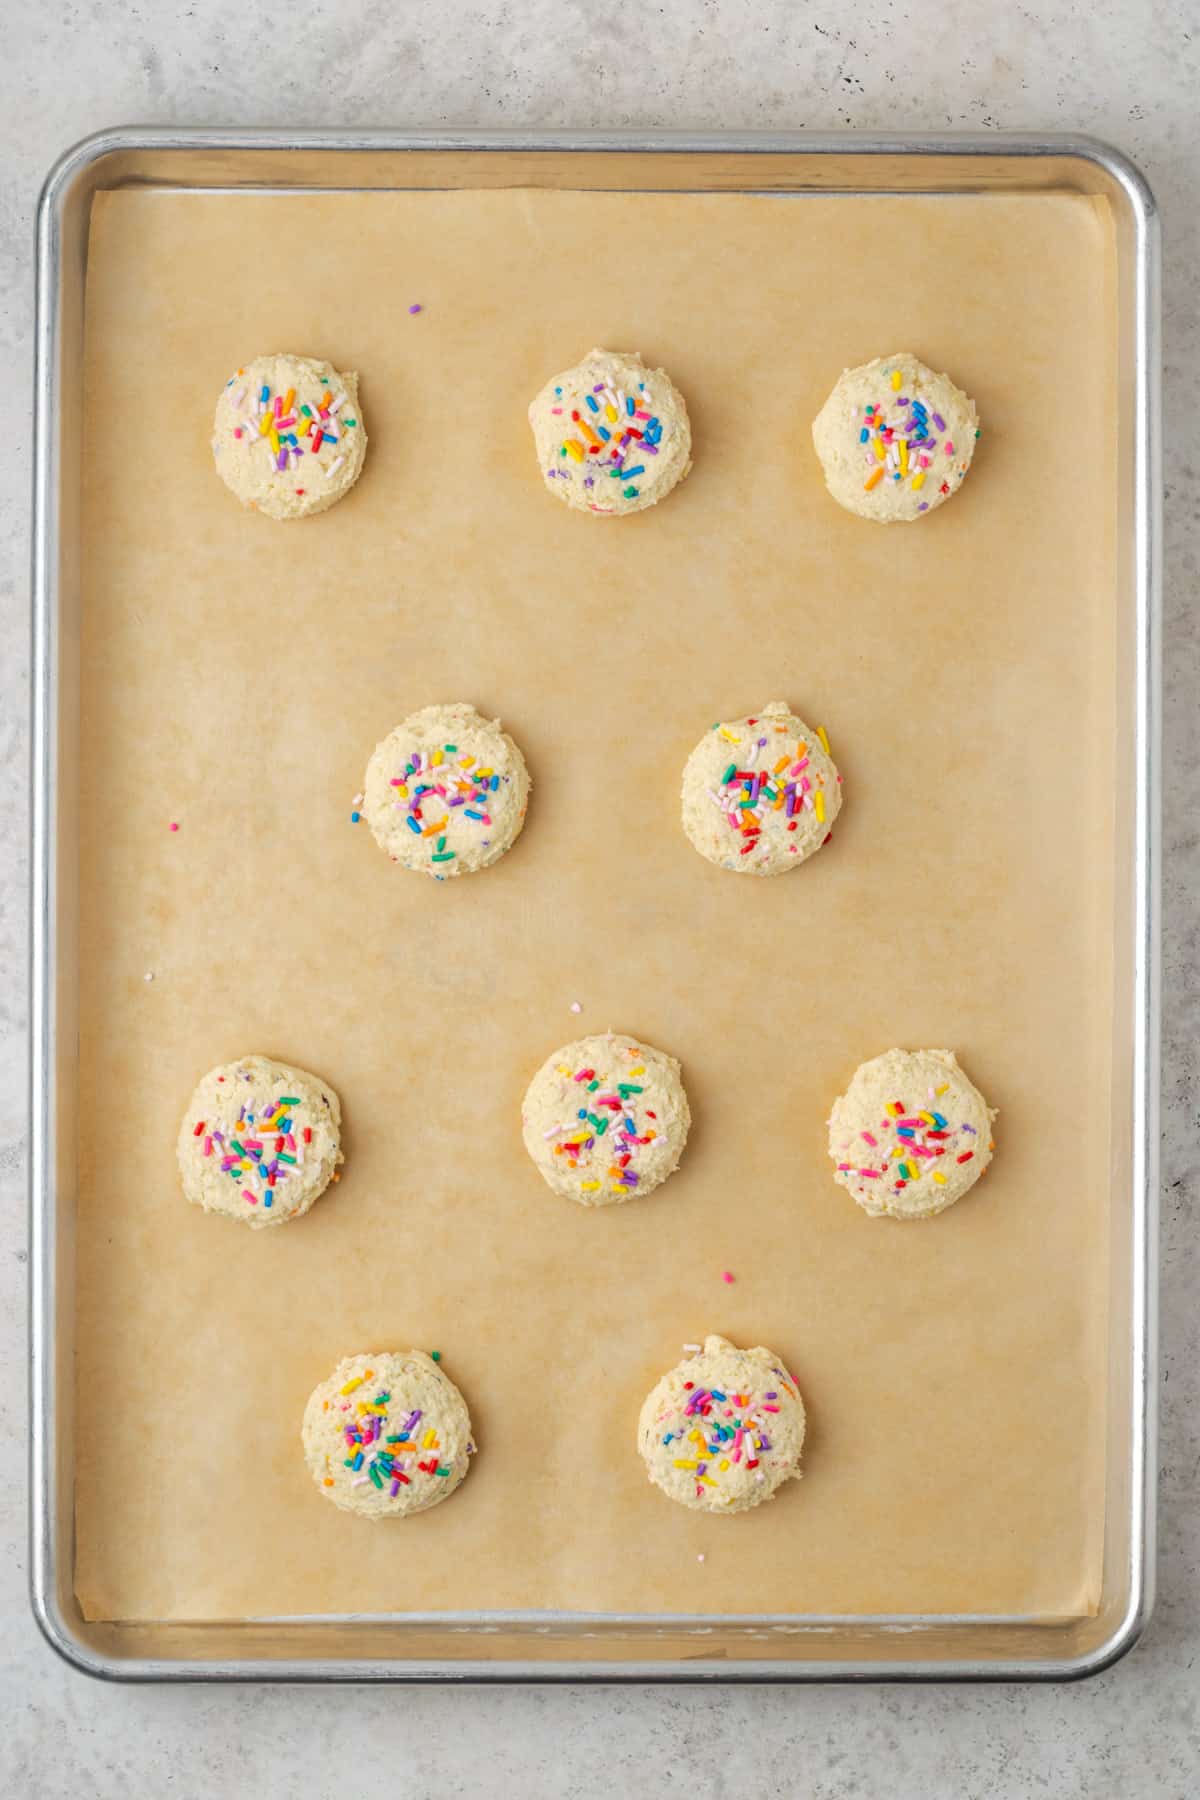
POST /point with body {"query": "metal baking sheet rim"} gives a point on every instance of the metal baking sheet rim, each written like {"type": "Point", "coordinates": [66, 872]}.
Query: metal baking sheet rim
{"type": "Point", "coordinates": [77, 174]}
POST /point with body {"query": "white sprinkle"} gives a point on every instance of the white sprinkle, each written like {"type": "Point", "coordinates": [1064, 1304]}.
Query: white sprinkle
{"type": "Point", "coordinates": [149, 975]}
{"type": "Point", "coordinates": [575, 1006]}
{"type": "Point", "coordinates": [239, 399]}
{"type": "Point", "coordinates": [333, 468]}
{"type": "Point", "coordinates": [693, 1347]}
{"type": "Point", "coordinates": [700, 1558]}
{"type": "Point", "coordinates": [553, 1131]}
{"type": "Point", "coordinates": [357, 800]}
{"type": "Point", "coordinates": [340, 401]}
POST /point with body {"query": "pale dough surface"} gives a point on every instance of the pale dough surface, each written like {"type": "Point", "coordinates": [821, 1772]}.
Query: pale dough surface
{"type": "Point", "coordinates": [446, 792]}
{"type": "Point", "coordinates": [307, 457]}
{"type": "Point", "coordinates": [606, 1119]}
{"type": "Point", "coordinates": [612, 435]}
{"type": "Point", "coordinates": [760, 794]}
{"type": "Point", "coordinates": [387, 1434]}
{"type": "Point", "coordinates": [723, 1429]}
{"type": "Point", "coordinates": [895, 439]}
{"type": "Point", "coordinates": [911, 1134]}
{"type": "Point", "coordinates": [260, 1141]}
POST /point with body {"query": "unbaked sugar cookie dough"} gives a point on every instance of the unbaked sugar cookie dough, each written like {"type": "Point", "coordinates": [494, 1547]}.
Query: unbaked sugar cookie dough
{"type": "Point", "coordinates": [605, 1119]}
{"type": "Point", "coordinates": [288, 436]}
{"type": "Point", "coordinates": [259, 1141]}
{"type": "Point", "coordinates": [612, 435]}
{"type": "Point", "coordinates": [895, 440]}
{"type": "Point", "coordinates": [761, 794]}
{"type": "Point", "coordinates": [387, 1434]}
{"type": "Point", "coordinates": [911, 1135]}
{"type": "Point", "coordinates": [723, 1429]}
{"type": "Point", "coordinates": [446, 792]}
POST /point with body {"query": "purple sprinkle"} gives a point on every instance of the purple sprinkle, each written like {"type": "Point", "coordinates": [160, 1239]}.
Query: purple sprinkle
{"type": "Point", "coordinates": [396, 1482]}
{"type": "Point", "coordinates": [771, 1396]}
{"type": "Point", "coordinates": [281, 460]}
{"type": "Point", "coordinates": [764, 1444]}
{"type": "Point", "coordinates": [924, 506]}
{"type": "Point", "coordinates": [599, 388]}
{"type": "Point", "coordinates": [902, 401]}
{"type": "Point", "coordinates": [702, 1468]}
{"type": "Point", "coordinates": [458, 801]}
{"type": "Point", "coordinates": [650, 449]}
{"type": "Point", "coordinates": [588, 481]}
{"type": "Point", "coordinates": [938, 421]}
{"type": "Point", "coordinates": [414, 309]}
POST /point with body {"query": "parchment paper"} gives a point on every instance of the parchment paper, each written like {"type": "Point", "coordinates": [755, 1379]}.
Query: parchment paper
{"type": "Point", "coordinates": [237, 674]}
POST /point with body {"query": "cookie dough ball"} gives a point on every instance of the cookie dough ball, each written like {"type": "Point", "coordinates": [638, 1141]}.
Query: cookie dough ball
{"type": "Point", "coordinates": [387, 1434]}
{"type": "Point", "coordinates": [260, 1141]}
{"type": "Point", "coordinates": [761, 794]}
{"type": "Point", "coordinates": [895, 440]}
{"type": "Point", "coordinates": [612, 435]}
{"type": "Point", "coordinates": [910, 1135]}
{"type": "Point", "coordinates": [446, 792]}
{"type": "Point", "coordinates": [606, 1119]}
{"type": "Point", "coordinates": [723, 1429]}
{"type": "Point", "coordinates": [288, 436]}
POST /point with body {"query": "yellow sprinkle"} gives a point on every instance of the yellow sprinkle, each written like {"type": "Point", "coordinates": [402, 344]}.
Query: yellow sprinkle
{"type": "Point", "coordinates": [824, 739]}
{"type": "Point", "coordinates": [351, 1385]}
{"type": "Point", "coordinates": [402, 790]}
{"type": "Point", "coordinates": [903, 457]}
{"type": "Point", "coordinates": [589, 1187]}
{"type": "Point", "coordinates": [895, 1108]}
{"type": "Point", "coordinates": [610, 412]}
{"type": "Point", "coordinates": [429, 1440]}
{"type": "Point", "coordinates": [484, 774]}
{"type": "Point", "coordinates": [819, 806]}
{"type": "Point", "coordinates": [918, 480]}
{"type": "Point", "coordinates": [273, 440]}
{"type": "Point", "coordinates": [574, 448]}
{"type": "Point", "coordinates": [370, 1407]}
{"type": "Point", "coordinates": [730, 737]}
{"type": "Point", "coordinates": [640, 1070]}
{"type": "Point", "coordinates": [436, 758]}
{"type": "Point", "coordinates": [466, 761]}
{"type": "Point", "coordinates": [944, 1089]}
{"type": "Point", "coordinates": [724, 1463]}
{"type": "Point", "coordinates": [682, 1463]}
{"type": "Point", "coordinates": [880, 451]}
{"type": "Point", "coordinates": [873, 479]}
{"type": "Point", "coordinates": [696, 1437]}
{"type": "Point", "coordinates": [562, 1070]}
{"type": "Point", "coordinates": [264, 424]}
{"type": "Point", "coordinates": [896, 380]}
{"type": "Point", "coordinates": [940, 1179]}
{"type": "Point", "coordinates": [915, 1167]}
{"type": "Point", "coordinates": [928, 1118]}
{"type": "Point", "coordinates": [707, 1480]}
{"type": "Point", "coordinates": [780, 766]}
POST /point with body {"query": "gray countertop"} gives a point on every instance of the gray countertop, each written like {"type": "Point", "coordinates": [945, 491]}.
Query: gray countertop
{"type": "Point", "coordinates": [1127, 72]}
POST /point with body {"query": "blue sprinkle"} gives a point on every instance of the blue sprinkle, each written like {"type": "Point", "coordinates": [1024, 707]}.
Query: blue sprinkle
{"type": "Point", "coordinates": [558, 390]}
{"type": "Point", "coordinates": [717, 1395]}
{"type": "Point", "coordinates": [469, 813]}
{"type": "Point", "coordinates": [863, 435]}
{"type": "Point", "coordinates": [412, 824]}
{"type": "Point", "coordinates": [640, 470]}
{"type": "Point", "coordinates": [592, 402]}
{"type": "Point", "coordinates": [606, 435]}
{"type": "Point", "coordinates": [582, 1113]}
{"type": "Point", "coordinates": [268, 1199]}
{"type": "Point", "coordinates": [494, 783]}
{"type": "Point", "coordinates": [629, 405]}
{"type": "Point", "coordinates": [355, 817]}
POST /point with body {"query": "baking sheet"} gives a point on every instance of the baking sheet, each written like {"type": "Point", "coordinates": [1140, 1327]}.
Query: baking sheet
{"type": "Point", "coordinates": [236, 675]}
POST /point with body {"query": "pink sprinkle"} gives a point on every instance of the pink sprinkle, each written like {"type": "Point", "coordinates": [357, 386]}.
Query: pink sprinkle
{"type": "Point", "coordinates": [237, 431]}
{"type": "Point", "coordinates": [725, 1275]}
{"type": "Point", "coordinates": [174, 825]}
{"type": "Point", "coordinates": [949, 448]}
{"type": "Point", "coordinates": [247, 1195]}
{"type": "Point", "coordinates": [208, 1145]}
{"type": "Point", "coordinates": [871, 1174]}
{"type": "Point", "coordinates": [415, 308]}
{"type": "Point", "coordinates": [557, 411]}
{"type": "Point", "coordinates": [700, 1557]}
{"type": "Point", "coordinates": [874, 1142]}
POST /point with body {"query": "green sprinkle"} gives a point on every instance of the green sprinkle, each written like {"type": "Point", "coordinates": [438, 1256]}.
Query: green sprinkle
{"type": "Point", "coordinates": [307, 411]}
{"type": "Point", "coordinates": [730, 772]}
{"type": "Point", "coordinates": [441, 843]}
{"type": "Point", "coordinates": [446, 856]}
{"type": "Point", "coordinates": [629, 493]}
{"type": "Point", "coordinates": [625, 1088]}
{"type": "Point", "coordinates": [289, 1100]}
{"type": "Point", "coordinates": [600, 1125]}
{"type": "Point", "coordinates": [443, 1471]}
{"type": "Point", "coordinates": [373, 1472]}
{"type": "Point", "coordinates": [592, 1086]}
{"type": "Point", "coordinates": [382, 1399]}
{"type": "Point", "coordinates": [394, 1440]}
{"type": "Point", "coordinates": [241, 1150]}
{"type": "Point", "coordinates": [282, 1156]}
{"type": "Point", "coordinates": [435, 1356]}
{"type": "Point", "coordinates": [349, 421]}
{"type": "Point", "coordinates": [450, 749]}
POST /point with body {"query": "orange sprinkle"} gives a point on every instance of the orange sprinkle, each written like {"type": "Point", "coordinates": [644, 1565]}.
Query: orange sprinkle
{"type": "Point", "coordinates": [873, 479]}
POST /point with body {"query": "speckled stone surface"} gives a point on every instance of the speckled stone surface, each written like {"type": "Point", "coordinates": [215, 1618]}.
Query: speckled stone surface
{"type": "Point", "coordinates": [1128, 71]}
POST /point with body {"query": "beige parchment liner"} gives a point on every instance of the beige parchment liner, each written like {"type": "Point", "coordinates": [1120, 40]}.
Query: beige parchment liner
{"type": "Point", "coordinates": [236, 675]}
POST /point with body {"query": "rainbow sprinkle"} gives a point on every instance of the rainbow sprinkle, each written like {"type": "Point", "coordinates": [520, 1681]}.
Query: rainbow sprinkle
{"type": "Point", "coordinates": [610, 1123]}
{"type": "Point", "coordinates": [912, 1144]}
{"type": "Point", "coordinates": [899, 439]}
{"type": "Point", "coordinates": [771, 773]}
{"type": "Point", "coordinates": [715, 1431]}
{"type": "Point", "coordinates": [609, 436]}
{"type": "Point", "coordinates": [388, 1452]}
{"type": "Point", "coordinates": [261, 1149]}
{"type": "Point", "coordinates": [438, 789]}
{"type": "Point", "coordinates": [289, 432]}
